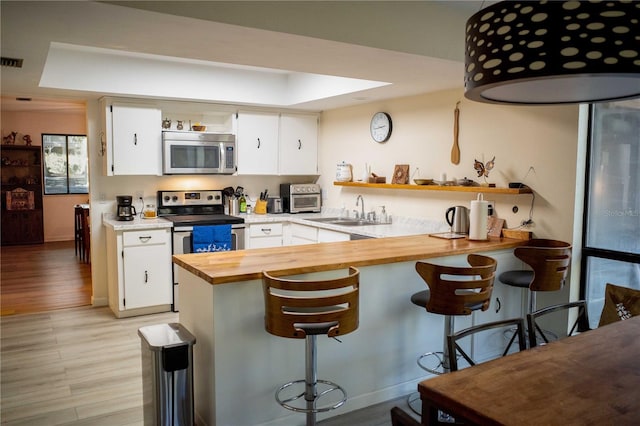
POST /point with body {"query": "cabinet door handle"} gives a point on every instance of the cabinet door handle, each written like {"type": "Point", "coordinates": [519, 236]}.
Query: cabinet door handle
{"type": "Point", "coordinates": [266, 230]}
{"type": "Point", "coordinates": [146, 277]}
{"type": "Point", "coordinates": [299, 144]}
{"type": "Point", "coordinates": [135, 139]}
{"type": "Point", "coordinates": [144, 239]}
{"type": "Point", "coordinates": [258, 143]}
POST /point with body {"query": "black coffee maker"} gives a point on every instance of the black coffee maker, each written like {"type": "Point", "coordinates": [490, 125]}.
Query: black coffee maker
{"type": "Point", "coordinates": [125, 209]}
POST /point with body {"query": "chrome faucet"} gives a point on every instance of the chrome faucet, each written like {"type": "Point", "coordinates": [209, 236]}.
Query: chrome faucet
{"type": "Point", "coordinates": [361, 206]}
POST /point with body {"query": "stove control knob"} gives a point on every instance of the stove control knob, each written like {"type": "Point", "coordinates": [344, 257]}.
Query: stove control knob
{"type": "Point", "coordinates": [174, 198]}
{"type": "Point", "coordinates": [166, 198]}
{"type": "Point", "coordinates": [209, 197]}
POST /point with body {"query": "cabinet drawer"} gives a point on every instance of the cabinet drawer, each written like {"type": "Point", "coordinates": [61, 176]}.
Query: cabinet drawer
{"type": "Point", "coordinates": [265, 230]}
{"type": "Point", "coordinates": [145, 238]}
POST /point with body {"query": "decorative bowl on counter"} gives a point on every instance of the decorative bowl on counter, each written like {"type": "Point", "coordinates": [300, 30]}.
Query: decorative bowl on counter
{"type": "Point", "coordinates": [465, 182]}
{"type": "Point", "coordinates": [198, 128]}
{"type": "Point", "coordinates": [423, 181]}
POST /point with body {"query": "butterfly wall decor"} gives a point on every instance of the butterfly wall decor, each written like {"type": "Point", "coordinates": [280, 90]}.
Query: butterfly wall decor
{"type": "Point", "coordinates": [484, 169]}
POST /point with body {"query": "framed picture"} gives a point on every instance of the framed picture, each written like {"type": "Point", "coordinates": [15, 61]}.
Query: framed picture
{"type": "Point", "coordinates": [401, 174]}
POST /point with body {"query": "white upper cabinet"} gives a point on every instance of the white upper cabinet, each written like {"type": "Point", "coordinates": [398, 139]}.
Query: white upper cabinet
{"type": "Point", "coordinates": [257, 143]}
{"type": "Point", "coordinates": [274, 144]}
{"type": "Point", "coordinates": [298, 144]}
{"type": "Point", "coordinates": [133, 139]}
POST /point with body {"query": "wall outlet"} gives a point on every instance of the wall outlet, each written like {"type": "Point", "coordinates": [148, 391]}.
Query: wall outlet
{"type": "Point", "coordinates": [139, 195]}
{"type": "Point", "coordinates": [492, 208]}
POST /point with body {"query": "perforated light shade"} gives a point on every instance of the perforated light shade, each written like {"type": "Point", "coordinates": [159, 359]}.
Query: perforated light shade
{"type": "Point", "coordinates": [553, 52]}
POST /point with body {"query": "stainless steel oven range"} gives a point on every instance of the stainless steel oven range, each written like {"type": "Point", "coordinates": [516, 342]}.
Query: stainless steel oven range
{"type": "Point", "coordinates": [187, 209]}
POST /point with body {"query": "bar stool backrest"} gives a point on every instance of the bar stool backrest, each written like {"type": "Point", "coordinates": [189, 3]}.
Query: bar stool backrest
{"type": "Point", "coordinates": [549, 260]}
{"type": "Point", "coordinates": [294, 308]}
{"type": "Point", "coordinates": [456, 290]}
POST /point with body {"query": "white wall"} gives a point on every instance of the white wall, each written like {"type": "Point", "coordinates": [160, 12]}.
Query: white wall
{"type": "Point", "coordinates": [519, 137]}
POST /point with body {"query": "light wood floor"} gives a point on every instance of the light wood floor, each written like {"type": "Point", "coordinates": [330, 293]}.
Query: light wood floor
{"type": "Point", "coordinates": [81, 366]}
{"type": "Point", "coordinates": [42, 277]}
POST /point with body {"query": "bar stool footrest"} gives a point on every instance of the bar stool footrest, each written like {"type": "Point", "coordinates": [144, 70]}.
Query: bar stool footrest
{"type": "Point", "coordinates": [439, 369]}
{"type": "Point", "coordinates": [310, 406]}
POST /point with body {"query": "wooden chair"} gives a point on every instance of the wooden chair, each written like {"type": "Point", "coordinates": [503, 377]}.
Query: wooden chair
{"type": "Point", "coordinates": [86, 236]}
{"type": "Point", "coordinates": [304, 309]}
{"type": "Point", "coordinates": [549, 261]}
{"type": "Point", "coordinates": [453, 290]}
{"type": "Point", "coordinates": [78, 231]}
{"type": "Point", "coordinates": [537, 334]}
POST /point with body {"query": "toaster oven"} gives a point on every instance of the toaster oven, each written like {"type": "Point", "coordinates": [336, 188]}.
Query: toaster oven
{"type": "Point", "coordinates": [301, 197]}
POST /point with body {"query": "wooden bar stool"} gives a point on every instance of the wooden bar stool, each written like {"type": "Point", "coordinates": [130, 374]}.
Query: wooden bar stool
{"type": "Point", "coordinates": [304, 309]}
{"type": "Point", "coordinates": [549, 262]}
{"type": "Point", "coordinates": [453, 290]}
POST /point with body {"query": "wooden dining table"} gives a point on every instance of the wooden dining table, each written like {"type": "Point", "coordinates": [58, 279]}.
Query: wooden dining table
{"type": "Point", "coordinates": [589, 379]}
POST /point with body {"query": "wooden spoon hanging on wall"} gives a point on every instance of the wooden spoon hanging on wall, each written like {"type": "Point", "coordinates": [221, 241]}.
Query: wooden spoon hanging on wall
{"type": "Point", "coordinates": [455, 150]}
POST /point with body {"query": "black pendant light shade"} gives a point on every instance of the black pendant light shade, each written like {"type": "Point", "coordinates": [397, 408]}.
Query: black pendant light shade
{"type": "Point", "coordinates": [553, 52]}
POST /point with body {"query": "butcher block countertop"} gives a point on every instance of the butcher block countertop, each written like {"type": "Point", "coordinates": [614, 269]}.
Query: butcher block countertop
{"type": "Point", "coordinates": [243, 265]}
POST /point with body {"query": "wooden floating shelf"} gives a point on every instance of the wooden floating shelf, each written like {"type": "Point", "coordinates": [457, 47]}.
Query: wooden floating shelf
{"type": "Point", "coordinates": [483, 189]}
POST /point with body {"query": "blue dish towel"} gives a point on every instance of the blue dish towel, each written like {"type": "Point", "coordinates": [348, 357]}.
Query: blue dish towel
{"type": "Point", "coordinates": [211, 238]}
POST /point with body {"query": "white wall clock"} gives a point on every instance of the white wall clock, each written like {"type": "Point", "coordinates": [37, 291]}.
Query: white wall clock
{"type": "Point", "coordinates": [381, 127]}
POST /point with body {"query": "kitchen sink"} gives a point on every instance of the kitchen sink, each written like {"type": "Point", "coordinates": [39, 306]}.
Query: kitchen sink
{"type": "Point", "coordinates": [324, 219]}
{"type": "Point", "coordinates": [352, 222]}
{"type": "Point", "coordinates": [343, 222]}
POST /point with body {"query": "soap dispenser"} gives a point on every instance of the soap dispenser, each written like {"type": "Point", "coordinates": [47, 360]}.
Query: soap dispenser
{"type": "Point", "coordinates": [383, 215]}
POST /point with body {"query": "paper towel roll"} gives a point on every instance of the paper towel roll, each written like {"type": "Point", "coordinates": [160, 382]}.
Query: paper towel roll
{"type": "Point", "coordinates": [478, 219]}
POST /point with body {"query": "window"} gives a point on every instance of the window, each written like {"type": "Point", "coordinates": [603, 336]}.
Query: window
{"type": "Point", "coordinates": [611, 244]}
{"type": "Point", "coordinates": [65, 165]}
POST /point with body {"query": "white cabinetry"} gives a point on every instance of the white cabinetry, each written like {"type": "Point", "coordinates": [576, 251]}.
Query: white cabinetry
{"type": "Point", "coordinates": [303, 234]}
{"type": "Point", "coordinates": [263, 235]}
{"type": "Point", "coordinates": [329, 236]}
{"type": "Point", "coordinates": [139, 271]}
{"type": "Point", "coordinates": [132, 139]}
{"type": "Point", "coordinates": [272, 144]}
{"type": "Point", "coordinates": [257, 143]}
{"type": "Point", "coordinates": [298, 144]}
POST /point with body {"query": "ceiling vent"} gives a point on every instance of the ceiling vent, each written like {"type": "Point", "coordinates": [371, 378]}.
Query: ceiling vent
{"type": "Point", "coordinates": [11, 62]}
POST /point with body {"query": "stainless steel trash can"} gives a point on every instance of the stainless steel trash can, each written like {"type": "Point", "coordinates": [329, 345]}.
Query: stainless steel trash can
{"type": "Point", "coordinates": [167, 374]}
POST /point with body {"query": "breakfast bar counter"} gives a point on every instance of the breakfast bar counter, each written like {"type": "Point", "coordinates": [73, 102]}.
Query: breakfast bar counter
{"type": "Point", "coordinates": [232, 266]}
{"type": "Point", "coordinates": [238, 366]}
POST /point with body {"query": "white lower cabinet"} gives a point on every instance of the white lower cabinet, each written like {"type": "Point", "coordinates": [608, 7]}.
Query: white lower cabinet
{"type": "Point", "coordinates": [263, 235]}
{"type": "Point", "coordinates": [329, 236]}
{"type": "Point", "coordinates": [302, 234]}
{"type": "Point", "coordinates": [139, 271]}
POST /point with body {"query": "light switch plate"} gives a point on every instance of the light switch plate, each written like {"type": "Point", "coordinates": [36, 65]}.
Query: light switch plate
{"type": "Point", "coordinates": [492, 208]}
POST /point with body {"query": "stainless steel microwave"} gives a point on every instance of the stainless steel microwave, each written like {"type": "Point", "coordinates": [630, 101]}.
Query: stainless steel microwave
{"type": "Point", "coordinates": [198, 153]}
